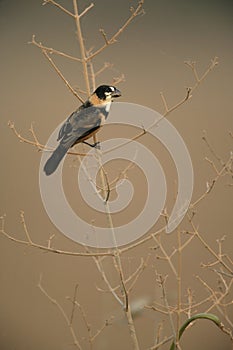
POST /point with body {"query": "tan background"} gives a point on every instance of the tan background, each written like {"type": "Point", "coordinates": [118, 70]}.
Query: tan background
{"type": "Point", "coordinates": [150, 54]}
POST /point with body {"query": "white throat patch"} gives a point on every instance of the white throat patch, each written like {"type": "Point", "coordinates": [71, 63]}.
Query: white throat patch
{"type": "Point", "coordinates": [107, 106]}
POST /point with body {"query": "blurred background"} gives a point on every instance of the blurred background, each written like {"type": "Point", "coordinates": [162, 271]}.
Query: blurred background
{"type": "Point", "coordinates": [151, 54]}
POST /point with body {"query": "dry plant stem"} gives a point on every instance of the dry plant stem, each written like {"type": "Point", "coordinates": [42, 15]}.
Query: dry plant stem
{"type": "Point", "coordinates": [99, 331]}
{"type": "Point", "coordinates": [143, 240]}
{"type": "Point", "coordinates": [190, 302]}
{"type": "Point", "coordinates": [105, 279]}
{"type": "Point", "coordinates": [86, 10]}
{"type": "Point", "coordinates": [164, 341]}
{"type": "Point", "coordinates": [45, 50]}
{"type": "Point", "coordinates": [105, 66]}
{"type": "Point", "coordinates": [84, 317]}
{"type": "Point", "coordinates": [218, 258]}
{"type": "Point", "coordinates": [132, 328]}
{"type": "Point", "coordinates": [118, 265]}
{"type": "Point", "coordinates": [82, 47]}
{"type": "Point", "coordinates": [36, 143]}
{"type": "Point", "coordinates": [92, 75]}
{"type": "Point", "coordinates": [113, 39]}
{"type": "Point", "coordinates": [159, 333]}
{"type": "Point", "coordinates": [204, 138]}
{"type": "Point", "coordinates": [118, 80]}
{"type": "Point", "coordinates": [189, 91]}
{"type": "Point", "coordinates": [53, 51]}
{"type": "Point", "coordinates": [213, 182]}
{"type": "Point", "coordinates": [103, 176]}
{"type": "Point", "coordinates": [60, 308]}
{"type": "Point", "coordinates": [59, 6]}
{"type": "Point", "coordinates": [168, 258]}
{"type": "Point", "coordinates": [162, 280]}
{"type": "Point", "coordinates": [145, 131]}
{"type": "Point", "coordinates": [61, 76]}
{"type": "Point", "coordinates": [48, 248]}
{"type": "Point", "coordinates": [133, 277]}
{"type": "Point", "coordinates": [177, 105]}
{"type": "Point", "coordinates": [137, 273]}
{"type": "Point", "coordinates": [73, 304]}
{"type": "Point", "coordinates": [187, 242]}
{"type": "Point", "coordinates": [127, 308]}
{"type": "Point", "coordinates": [25, 227]}
{"type": "Point", "coordinates": [192, 65]}
{"type": "Point", "coordinates": [216, 301]}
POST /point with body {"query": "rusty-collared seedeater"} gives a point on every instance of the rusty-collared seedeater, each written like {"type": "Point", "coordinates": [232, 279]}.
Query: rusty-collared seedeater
{"type": "Point", "coordinates": [82, 124]}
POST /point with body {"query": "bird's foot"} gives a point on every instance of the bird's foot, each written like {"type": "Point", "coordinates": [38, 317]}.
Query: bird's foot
{"type": "Point", "coordinates": [94, 145]}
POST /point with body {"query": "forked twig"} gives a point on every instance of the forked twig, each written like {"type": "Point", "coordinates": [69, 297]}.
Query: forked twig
{"type": "Point", "coordinates": [62, 311]}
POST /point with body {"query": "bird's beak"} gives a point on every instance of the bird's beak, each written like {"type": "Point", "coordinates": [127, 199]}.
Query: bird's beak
{"type": "Point", "coordinates": [116, 93]}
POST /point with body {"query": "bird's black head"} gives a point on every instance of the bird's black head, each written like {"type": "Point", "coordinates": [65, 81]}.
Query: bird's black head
{"type": "Point", "coordinates": [106, 92]}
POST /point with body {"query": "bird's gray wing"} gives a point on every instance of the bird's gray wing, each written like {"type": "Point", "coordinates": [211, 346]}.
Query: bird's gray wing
{"type": "Point", "coordinates": [80, 124]}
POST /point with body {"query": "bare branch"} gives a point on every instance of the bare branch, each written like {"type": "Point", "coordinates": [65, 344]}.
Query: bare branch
{"type": "Point", "coordinates": [30, 243]}
{"type": "Point", "coordinates": [59, 6]}
{"type": "Point", "coordinates": [164, 341]}
{"type": "Point", "coordinates": [45, 50]}
{"type": "Point", "coordinates": [162, 281]}
{"type": "Point", "coordinates": [82, 47]}
{"type": "Point", "coordinates": [118, 80]}
{"type": "Point", "coordinates": [86, 10]}
{"type": "Point", "coordinates": [213, 63]}
{"type": "Point", "coordinates": [180, 103]}
{"type": "Point", "coordinates": [218, 258]}
{"type": "Point", "coordinates": [106, 324]}
{"type": "Point", "coordinates": [37, 144]}
{"type": "Point", "coordinates": [50, 50]}
{"type": "Point", "coordinates": [62, 311]}
{"type": "Point", "coordinates": [106, 65]}
{"type": "Point", "coordinates": [204, 138]}
{"type": "Point", "coordinates": [25, 227]}
{"type": "Point", "coordinates": [73, 304]}
{"type": "Point", "coordinates": [62, 76]}
{"type": "Point", "coordinates": [113, 39]}
{"type": "Point", "coordinates": [212, 183]}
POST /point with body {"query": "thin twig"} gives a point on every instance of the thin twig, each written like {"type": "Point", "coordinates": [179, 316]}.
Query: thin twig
{"type": "Point", "coordinates": [59, 6]}
{"type": "Point", "coordinates": [53, 51]}
{"type": "Point", "coordinates": [106, 65]}
{"type": "Point", "coordinates": [30, 243]}
{"type": "Point", "coordinates": [210, 250]}
{"type": "Point", "coordinates": [88, 8]}
{"type": "Point", "coordinates": [168, 110]}
{"type": "Point", "coordinates": [164, 341]}
{"type": "Point", "coordinates": [99, 331]}
{"type": "Point", "coordinates": [161, 281]}
{"type": "Point", "coordinates": [38, 145]}
{"type": "Point", "coordinates": [213, 182]}
{"type": "Point", "coordinates": [60, 308]}
{"type": "Point", "coordinates": [82, 47]}
{"type": "Point", "coordinates": [45, 53]}
{"type": "Point", "coordinates": [166, 256]}
{"type": "Point", "coordinates": [73, 303]}
{"type": "Point", "coordinates": [113, 39]}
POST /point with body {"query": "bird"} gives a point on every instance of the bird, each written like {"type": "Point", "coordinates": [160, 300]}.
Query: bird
{"type": "Point", "coordinates": [82, 124]}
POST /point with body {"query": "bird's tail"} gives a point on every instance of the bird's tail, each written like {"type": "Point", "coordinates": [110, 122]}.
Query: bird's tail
{"type": "Point", "coordinates": [53, 162]}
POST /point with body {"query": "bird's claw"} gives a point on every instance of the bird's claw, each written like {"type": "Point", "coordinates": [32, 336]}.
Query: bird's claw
{"type": "Point", "coordinates": [94, 145]}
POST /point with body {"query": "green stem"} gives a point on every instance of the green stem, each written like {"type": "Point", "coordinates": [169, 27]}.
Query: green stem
{"type": "Point", "coordinates": [210, 317]}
